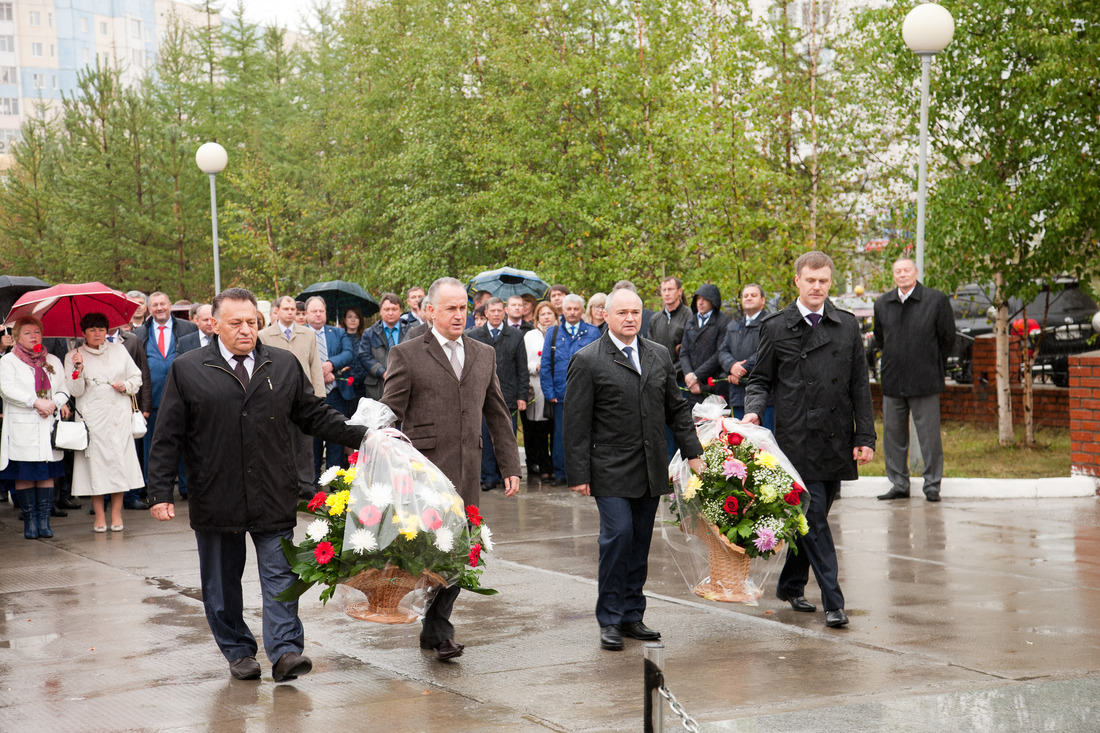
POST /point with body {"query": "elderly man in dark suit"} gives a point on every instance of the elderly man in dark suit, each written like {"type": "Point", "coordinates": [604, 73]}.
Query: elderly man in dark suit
{"type": "Point", "coordinates": [224, 408]}
{"type": "Point", "coordinates": [620, 394]}
{"type": "Point", "coordinates": [811, 360]}
{"type": "Point", "coordinates": [515, 382]}
{"type": "Point", "coordinates": [441, 385]}
{"type": "Point", "coordinates": [915, 328]}
{"type": "Point", "coordinates": [204, 319]}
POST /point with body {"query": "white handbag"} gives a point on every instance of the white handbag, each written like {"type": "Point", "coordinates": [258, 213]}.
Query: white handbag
{"type": "Point", "coordinates": [68, 435]}
{"type": "Point", "coordinates": [137, 420]}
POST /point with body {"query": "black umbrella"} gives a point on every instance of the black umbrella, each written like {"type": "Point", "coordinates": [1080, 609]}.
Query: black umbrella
{"type": "Point", "coordinates": [505, 282]}
{"type": "Point", "coordinates": [13, 287]}
{"type": "Point", "coordinates": [339, 295]}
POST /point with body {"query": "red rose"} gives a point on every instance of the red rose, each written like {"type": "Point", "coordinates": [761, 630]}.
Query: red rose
{"type": "Point", "coordinates": [730, 507]}
{"type": "Point", "coordinates": [791, 497]}
{"type": "Point", "coordinates": [474, 516]}
{"type": "Point", "coordinates": [324, 553]}
{"type": "Point", "coordinates": [735, 439]}
{"type": "Point", "coordinates": [317, 501]}
{"type": "Point", "coordinates": [431, 519]}
{"type": "Point", "coordinates": [403, 483]}
{"type": "Point", "coordinates": [37, 348]}
{"type": "Point", "coordinates": [370, 515]}
{"type": "Point", "coordinates": [353, 458]}
{"type": "Point", "coordinates": [475, 555]}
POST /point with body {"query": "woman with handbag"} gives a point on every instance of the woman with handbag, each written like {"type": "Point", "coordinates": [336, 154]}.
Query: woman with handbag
{"type": "Point", "coordinates": [103, 378]}
{"type": "Point", "coordinates": [538, 428]}
{"type": "Point", "coordinates": [33, 390]}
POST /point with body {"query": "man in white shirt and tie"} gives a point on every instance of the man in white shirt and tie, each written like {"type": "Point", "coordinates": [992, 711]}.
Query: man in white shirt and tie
{"type": "Point", "coordinates": [737, 352]}
{"type": "Point", "coordinates": [199, 339]}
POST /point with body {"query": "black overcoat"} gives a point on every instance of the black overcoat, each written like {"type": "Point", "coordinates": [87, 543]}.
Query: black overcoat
{"type": "Point", "coordinates": [818, 377]}
{"type": "Point", "coordinates": [916, 337]}
{"type": "Point", "coordinates": [615, 420]}
{"type": "Point", "coordinates": [515, 382]}
{"type": "Point", "coordinates": [237, 443]}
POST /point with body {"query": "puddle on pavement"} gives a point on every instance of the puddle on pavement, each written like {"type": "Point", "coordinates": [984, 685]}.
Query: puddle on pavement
{"type": "Point", "coordinates": [26, 642]}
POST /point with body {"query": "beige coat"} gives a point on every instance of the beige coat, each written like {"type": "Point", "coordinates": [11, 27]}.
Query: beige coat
{"type": "Point", "coordinates": [303, 344]}
{"type": "Point", "coordinates": [110, 465]}
{"type": "Point", "coordinates": [442, 415]}
{"type": "Point", "coordinates": [26, 436]}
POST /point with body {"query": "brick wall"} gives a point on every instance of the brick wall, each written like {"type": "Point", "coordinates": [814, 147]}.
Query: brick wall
{"type": "Point", "coordinates": [985, 360]}
{"type": "Point", "coordinates": [977, 404]}
{"type": "Point", "coordinates": [1084, 413]}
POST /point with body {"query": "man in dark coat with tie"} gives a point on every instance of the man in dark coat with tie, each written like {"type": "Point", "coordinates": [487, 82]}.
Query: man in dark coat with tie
{"type": "Point", "coordinates": [811, 359]}
{"type": "Point", "coordinates": [515, 382]}
{"type": "Point", "coordinates": [699, 348]}
{"type": "Point", "coordinates": [369, 367]}
{"type": "Point", "coordinates": [224, 407]}
{"type": "Point", "coordinates": [441, 386]}
{"type": "Point", "coordinates": [620, 395]}
{"type": "Point", "coordinates": [737, 352]}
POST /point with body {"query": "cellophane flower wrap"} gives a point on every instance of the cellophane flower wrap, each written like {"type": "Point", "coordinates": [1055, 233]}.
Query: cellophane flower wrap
{"type": "Point", "coordinates": [391, 510]}
{"type": "Point", "coordinates": [749, 495]}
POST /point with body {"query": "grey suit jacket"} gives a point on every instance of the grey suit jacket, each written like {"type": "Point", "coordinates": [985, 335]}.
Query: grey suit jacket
{"type": "Point", "coordinates": [303, 344]}
{"type": "Point", "coordinates": [615, 420]}
{"type": "Point", "coordinates": [441, 414]}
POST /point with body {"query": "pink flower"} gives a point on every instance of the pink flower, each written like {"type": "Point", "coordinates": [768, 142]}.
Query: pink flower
{"type": "Point", "coordinates": [370, 515]}
{"type": "Point", "coordinates": [403, 483]}
{"type": "Point", "coordinates": [733, 467]}
{"type": "Point", "coordinates": [765, 539]}
{"type": "Point", "coordinates": [431, 519]}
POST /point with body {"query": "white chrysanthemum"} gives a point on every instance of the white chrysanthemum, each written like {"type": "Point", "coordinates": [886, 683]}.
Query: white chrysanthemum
{"type": "Point", "coordinates": [433, 498]}
{"type": "Point", "coordinates": [444, 539]}
{"type": "Point", "coordinates": [328, 476]}
{"type": "Point", "coordinates": [486, 538]}
{"type": "Point", "coordinates": [380, 495]}
{"type": "Point", "coordinates": [317, 529]}
{"type": "Point", "coordinates": [362, 540]}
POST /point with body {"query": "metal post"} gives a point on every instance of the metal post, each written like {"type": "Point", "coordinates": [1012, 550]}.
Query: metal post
{"type": "Point", "coordinates": [922, 168]}
{"type": "Point", "coordinates": [654, 655]}
{"type": "Point", "coordinates": [214, 222]}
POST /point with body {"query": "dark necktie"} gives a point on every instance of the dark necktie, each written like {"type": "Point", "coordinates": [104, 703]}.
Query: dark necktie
{"type": "Point", "coordinates": [703, 321]}
{"type": "Point", "coordinates": [815, 318]}
{"type": "Point", "coordinates": [240, 370]}
{"type": "Point", "coordinates": [496, 332]}
{"type": "Point", "coordinates": [629, 351]}
{"type": "Point", "coordinates": [391, 336]}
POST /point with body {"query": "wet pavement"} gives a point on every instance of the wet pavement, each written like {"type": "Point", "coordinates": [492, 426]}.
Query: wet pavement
{"type": "Point", "coordinates": [971, 614]}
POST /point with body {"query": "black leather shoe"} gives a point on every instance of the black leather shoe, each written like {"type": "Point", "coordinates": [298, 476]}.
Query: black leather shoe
{"type": "Point", "coordinates": [638, 630]}
{"type": "Point", "coordinates": [68, 502]}
{"type": "Point", "coordinates": [894, 493]}
{"type": "Point", "coordinates": [290, 666]}
{"type": "Point", "coordinates": [798, 603]}
{"type": "Point", "coordinates": [136, 504]}
{"type": "Point", "coordinates": [446, 649]}
{"type": "Point", "coordinates": [245, 668]}
{"type": "Point", "coordinates": [611, 639]}
{"type": "Point", "coordinates": [836, 618]}
{"type": "Point", "coordinates": [57, 511]}
{"type": "Point", "coordinates": [932, 495]}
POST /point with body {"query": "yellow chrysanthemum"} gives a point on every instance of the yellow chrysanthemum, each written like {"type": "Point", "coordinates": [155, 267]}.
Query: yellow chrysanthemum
{"type": "Point", "coordinates": [341, 472]}
{"type": "Point", "coordinates": [767, 460]}
{"type": "Point", "coordinates": [693, 485]}
{"type": "Point", "coordinates": [457, 507]}
{"type": "Point", "coordinates": [337, 502]}
{"type": "Point", "coordinates": [409, 534]}
{"type": "Point", "coordinates": [349, 474]}
{"type": "Point", "coordinates": [416, 465]}
{"type": "Point", "coordinates": [407, 522]}
{"type": "Point", "coordinates": [803, 525]}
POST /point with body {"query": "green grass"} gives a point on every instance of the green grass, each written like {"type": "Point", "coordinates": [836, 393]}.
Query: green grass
{"type": "Point", "coordinates": [971, 451]}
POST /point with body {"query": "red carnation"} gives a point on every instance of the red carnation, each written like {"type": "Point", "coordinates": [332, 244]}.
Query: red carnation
{"type": "Point", "coordinates": [431, 519]}
{"type": "Point", "coordinates": [370, 515]}
{"type": "Point", "coordinates": [730, 507]}
{"type": "Point", "coordinates": [351, 381]}
{"type": "Point", "coordinates": [540, 352]}
{"type": "Point", "coordinates": [37, 348]}
{"type": "Point", "coordinates": [735, 439]}
{"type": "Point", "coordinates": [76, 374]}
{"type": "Point", "coordinates": [353, 458]}
{"type": "Point", "coordinates": [475, 555]}
{"type": "Point", "coordinates": [710, 381]}
{"type": "Point", "coordinates": [473, 515]}
{"type": "Point", "coordinates": [324, 553]}
{"type": "Point", "coordinates": [317, 501]}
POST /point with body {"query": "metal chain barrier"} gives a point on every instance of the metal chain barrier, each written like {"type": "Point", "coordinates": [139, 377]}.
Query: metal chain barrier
{"type": "Point", "coordinates": [654, 687]}
{"type": "Point", "coordinates": [687, 721]}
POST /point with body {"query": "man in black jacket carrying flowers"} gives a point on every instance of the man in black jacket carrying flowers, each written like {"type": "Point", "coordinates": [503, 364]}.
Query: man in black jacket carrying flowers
{"type": "Point", "coordinates": [228, 408]}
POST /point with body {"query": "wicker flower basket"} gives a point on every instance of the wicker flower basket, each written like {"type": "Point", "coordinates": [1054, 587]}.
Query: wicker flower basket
{"type": "Point", "coordinates": [729, 569]}
{"type": "Point", "coordinates": [384, 590]}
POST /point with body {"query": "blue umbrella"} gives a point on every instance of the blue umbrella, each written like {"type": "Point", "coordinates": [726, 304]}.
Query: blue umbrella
{"type": "Point", "coordinates": [505, 282]}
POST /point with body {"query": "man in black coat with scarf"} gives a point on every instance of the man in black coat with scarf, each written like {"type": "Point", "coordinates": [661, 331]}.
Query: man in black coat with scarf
{"type": "Point", "coordinates": [227, 408]}
{"type": "Point", "coordinates": [915, 328]}
{"type": "Point", "coordinates": [811, 359]}
{"type": "Point", "coordinates": [620, 393]}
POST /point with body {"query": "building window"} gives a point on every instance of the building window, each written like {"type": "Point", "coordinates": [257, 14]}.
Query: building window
{"type": "Point", "coordinates": [102, 27]}
{"type": "Point", "coordinates": [53, 50]}
{"type": "Point", "coordinates": [9, 105]}
{"type": "Point", "coordinates": [7, 11]}
{"type": "Point", "coordinates": [9, 75]}
{"type": "Point", "coordinates": [36, 17]}
{"type": "Point", "coordinates": [36, 50]}
{"type": "Point", "coordinates": [7, 44]}
{"type": "Point", "coordinates": [135, 29]}
{"type": "Point", "coordinates": [53, 81]}
{"type": "Point", "coordinates": [49, 19]}
{"type": "Point", "coordinates": [83, 25]}
{"type": "Point", "coordinates": [38, 81]}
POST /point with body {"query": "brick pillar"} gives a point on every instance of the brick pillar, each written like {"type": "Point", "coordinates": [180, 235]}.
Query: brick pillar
{"type": "Point", "coordinates": [1084, 413]}
{"type": "Point", "coordinates": [985, 359]}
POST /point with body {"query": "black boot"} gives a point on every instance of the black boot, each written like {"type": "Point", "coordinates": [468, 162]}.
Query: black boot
{"type": "Point", "coordinates": [26, 500]}
{"type": "Point", "coordinates": [44, 500]}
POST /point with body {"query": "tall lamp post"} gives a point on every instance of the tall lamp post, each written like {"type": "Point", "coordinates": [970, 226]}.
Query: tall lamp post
{"type": "Point", "coordinates": [211, 159]}
{"type": "Point", "coordinates": [927, 30]}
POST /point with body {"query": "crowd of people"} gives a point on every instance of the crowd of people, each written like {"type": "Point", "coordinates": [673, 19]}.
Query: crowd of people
{"type": "Point", "coordinates": [600, 408]}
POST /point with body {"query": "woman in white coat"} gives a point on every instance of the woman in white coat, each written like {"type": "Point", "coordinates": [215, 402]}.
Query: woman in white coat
{"type": "Point", "coordinates": [33, 389]}
{"type": "Point", "coordinates": [101, 377]}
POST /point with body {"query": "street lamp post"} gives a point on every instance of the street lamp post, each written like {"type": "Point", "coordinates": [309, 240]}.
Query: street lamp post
{"type": "Point", "coordinates": [211, 159]}
{"type": "Point", "coordinates": [927, 30]}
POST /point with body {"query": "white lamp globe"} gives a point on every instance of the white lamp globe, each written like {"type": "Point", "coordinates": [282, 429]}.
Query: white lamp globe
{"type": "Point", "coordinates": [211, 158]}
{"type": "Point", "coordinates": [928, 28]}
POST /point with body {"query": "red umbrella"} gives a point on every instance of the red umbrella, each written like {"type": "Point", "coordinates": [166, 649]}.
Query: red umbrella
{"type": "Point", "coordinates": [61, 307]}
